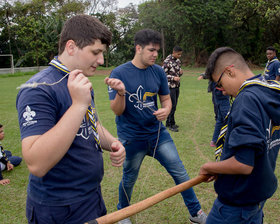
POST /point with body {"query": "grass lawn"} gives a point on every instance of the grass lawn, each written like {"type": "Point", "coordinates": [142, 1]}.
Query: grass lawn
{"type": "Point", "coordinates": [194, 115]}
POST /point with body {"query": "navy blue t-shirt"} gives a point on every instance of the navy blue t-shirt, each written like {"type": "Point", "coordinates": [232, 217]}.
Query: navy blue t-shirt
{"type": "Point", "coordinates": [253, 138]}
{"type": "Point", "coordinates": [137, 120]}
{"type": "Point", "coordinates": [272, 69]}
{"type": "Point", "coordinates": [78, 174]}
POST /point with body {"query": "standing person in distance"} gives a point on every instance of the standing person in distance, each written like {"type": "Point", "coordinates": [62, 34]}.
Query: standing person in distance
{"type": "Point", "coordinates": [172, 68]}
{"type": "Point", "coordinates": [272, 68]}
{"type": "Point", "coordinates": [248, 151]}
{"type": "Point", "coordinates": [62, 139]}
{"type": "Point", "coordinates": [133, 91]}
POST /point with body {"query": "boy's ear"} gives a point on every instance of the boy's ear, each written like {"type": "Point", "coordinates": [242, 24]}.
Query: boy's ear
{"type": "Point", "coordinates": [138, 48]}
{"type": "Point", "coordinates": [70, 47]}
{"type": "Point", "coordinates": [230, 70]}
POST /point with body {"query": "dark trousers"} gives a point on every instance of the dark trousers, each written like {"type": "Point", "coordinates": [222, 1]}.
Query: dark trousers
{"type": "Point", "coordinates": [174, 95]}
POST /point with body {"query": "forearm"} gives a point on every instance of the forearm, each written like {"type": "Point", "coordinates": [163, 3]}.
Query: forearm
{"type": "Point", "coordinates": [229, 166]}
{"type": "Point", "coordinates": [43, 152]}
{"type": "Point", "coordinates": [166, 103]}
{"type": "Point", "coordinates": [106, 139]}
{"type": "Point", "coordinates": [118, 104]}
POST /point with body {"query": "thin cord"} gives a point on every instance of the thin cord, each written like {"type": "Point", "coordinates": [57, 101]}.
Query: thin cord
{"type": "Point", "coordinates": [36, 84]}
{"type": "Point", "coordinates": [154, 153]}
{"type": "Point", "coordinates": [109, 147]}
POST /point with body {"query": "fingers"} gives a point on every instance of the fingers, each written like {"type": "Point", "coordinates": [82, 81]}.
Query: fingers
{"type": "Point", "coordinates": [118, 155]}
{"type": "Point", "coordinates": [5, 181]}
{"type": "Point", "coordinates": [79, 88]}
{"type": "Point", "coordinates": [161, 114]}
{"type": "Point", "coordinates": [115, 84]}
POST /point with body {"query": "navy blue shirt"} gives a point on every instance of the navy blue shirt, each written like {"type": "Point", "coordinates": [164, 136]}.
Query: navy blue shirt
{"type": "Point", "coordinates": [79, 173]}
{"type": "Point", "coordinates": [272, 69]}
{"type": "Point", "coordinates": [253, 138]}
{"type": "Point", "coordinates": [137, 120]}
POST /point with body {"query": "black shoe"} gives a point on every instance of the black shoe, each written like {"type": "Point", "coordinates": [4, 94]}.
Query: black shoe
{"type": "Point", "coordinates": [172, 128]}
{"type": "Point", "coordinates": [176, 126]}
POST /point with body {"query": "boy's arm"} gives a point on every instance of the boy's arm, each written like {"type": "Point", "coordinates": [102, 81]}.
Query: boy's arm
{"type": "Point", "coordinates": [110, 143]}
{"type": "Point", "coordinates": [228, 166]}
{"type": "Point", "coordinates": [43, 152]}
{"type": "Point", "coordinates": [165, 109]}
{"type": "Point", "coordinates": [117, 104]}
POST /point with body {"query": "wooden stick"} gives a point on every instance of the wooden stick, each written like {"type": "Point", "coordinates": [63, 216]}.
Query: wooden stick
{"type": "Point", "coordinates": [142, 205]}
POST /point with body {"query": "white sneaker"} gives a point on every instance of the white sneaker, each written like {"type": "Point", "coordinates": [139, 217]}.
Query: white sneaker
{"type": "Point", "coordinates": [200, 218]}
{"type": "Point", "coordinates": [125, 221]}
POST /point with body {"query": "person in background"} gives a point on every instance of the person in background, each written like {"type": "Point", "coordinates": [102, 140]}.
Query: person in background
{"type": "Point", "coordinates": [172, 68]}
{"type": "Point", "coordinates": [7, 160]}
{"type": "Point", "coordinates": [221, 107]}
{"type": "Point", "coordinates": [62, 138]}
{"type": "Point", "coordinates": [247, 152]}
{"type": "Point", "coordinates": [222, 104]}
{"type": "Point", "coordinates": [134, 88]}
{"type": "Point", "coordinates": [272, 68]}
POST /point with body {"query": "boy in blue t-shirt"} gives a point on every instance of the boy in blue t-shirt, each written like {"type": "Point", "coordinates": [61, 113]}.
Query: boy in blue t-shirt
{"type": "Point", "coordinates": [62, 140]}
{"type": "Point", "coordinates": [133, 91]}
{"type": "Point", "coordinates": [248, 144]}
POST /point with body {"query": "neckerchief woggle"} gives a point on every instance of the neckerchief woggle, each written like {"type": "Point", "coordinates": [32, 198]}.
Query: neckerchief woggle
{"type": "Point", "coordinates": [272, 84]}
{"type": "Point", "coordinates": [90, 111]}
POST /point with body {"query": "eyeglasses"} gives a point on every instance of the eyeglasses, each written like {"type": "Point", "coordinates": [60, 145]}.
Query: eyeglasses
{"type": "Point", "coordinates": [218, 84]}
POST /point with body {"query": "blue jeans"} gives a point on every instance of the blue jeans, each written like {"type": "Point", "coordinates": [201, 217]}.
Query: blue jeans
{"type": "Point", "coordinates": [167, 155]}
{"type": "Point", "coordinates": [226, 214]}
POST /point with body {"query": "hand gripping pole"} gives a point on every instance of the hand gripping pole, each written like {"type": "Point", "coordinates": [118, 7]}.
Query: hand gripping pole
{"type": "Point", "coordinates": [142, 205]}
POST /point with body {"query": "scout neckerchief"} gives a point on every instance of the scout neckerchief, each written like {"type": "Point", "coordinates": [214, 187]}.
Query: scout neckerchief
{"type": "Point", "coordinates": [4, 159]}
{"type": "Point", "coordinates": [272, 84]}
{"type": "Point", "coordinates": [90, 111]}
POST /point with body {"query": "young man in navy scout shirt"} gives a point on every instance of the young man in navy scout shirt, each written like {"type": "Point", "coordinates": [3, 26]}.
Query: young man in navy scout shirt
{"type": "Point", "coordinates": [61, 135]}
{"type": "Point", "coordinates": [245, 172]}
{"type": "Point", "coordinates": [272, 68]}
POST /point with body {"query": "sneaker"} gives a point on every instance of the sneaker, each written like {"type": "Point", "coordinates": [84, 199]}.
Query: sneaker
{"type": "Point", "coordinates": [200, 218]}
{"type": "Point", "coordinates": [212, 144]}
{"type": "Point", "coordinates": [172, 128]}
{"type": "Point", "coordinates": [125, 221]}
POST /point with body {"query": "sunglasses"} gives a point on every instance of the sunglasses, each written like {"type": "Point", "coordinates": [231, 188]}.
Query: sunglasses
{"type": "Point", "coordinates": [218, 83]}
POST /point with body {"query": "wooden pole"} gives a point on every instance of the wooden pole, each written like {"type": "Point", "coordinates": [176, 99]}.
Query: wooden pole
{"type": "Point", "coordinates": [142, 205]}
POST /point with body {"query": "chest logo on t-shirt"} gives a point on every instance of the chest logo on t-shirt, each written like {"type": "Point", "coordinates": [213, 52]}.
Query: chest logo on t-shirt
{"type": "Point", "coordinates": [140, 98]}
{"type": "Point", "coordinates": [28, 115]}
{"type": "Point", "coordinates": [273, 136]}
{"type": "Point", "coordinates": [85, 130]}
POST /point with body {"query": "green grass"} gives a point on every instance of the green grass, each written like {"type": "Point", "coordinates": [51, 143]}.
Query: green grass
{"type": "Point", "coordinates": [196, 119]}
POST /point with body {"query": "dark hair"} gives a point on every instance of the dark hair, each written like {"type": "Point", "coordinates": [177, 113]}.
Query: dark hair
{"type": "Point", "coordinates": [146, 36]}
{"type": "Point", "coordinates": [177, 49]}
{"type": "Point", "coordinates": [84, 30]}
{"type": "Point", "coordinates": [270, 48]}
{"type": "Point", "coordinates": [1, 125]}
{"type": "Point", "coordinates": [211, 64]}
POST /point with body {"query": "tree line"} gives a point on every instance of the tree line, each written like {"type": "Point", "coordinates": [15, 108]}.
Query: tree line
{"type": "Point", "coordinates": [30, 29]}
